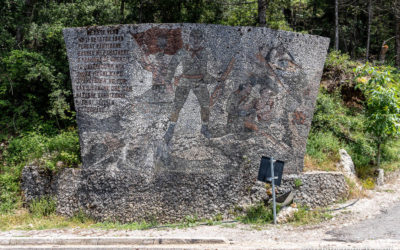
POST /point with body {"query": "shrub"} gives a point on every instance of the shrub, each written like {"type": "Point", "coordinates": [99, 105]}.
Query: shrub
{"type": "Point", "coordinates": [43, 206]}
{"type": "Point", "coordinates": [258, 214]}
{"type": "Point", "coordinates": [323, 146]}
{"type": "Point", "coordinates": [42, 149]}
{"type": "Point", "coordinates": [45, 150]}
{"type": "Point", "coordinates": [380, 86]}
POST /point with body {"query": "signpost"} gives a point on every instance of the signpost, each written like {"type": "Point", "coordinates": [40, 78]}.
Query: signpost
{"type": "Point", "coordinates": [268, 168]}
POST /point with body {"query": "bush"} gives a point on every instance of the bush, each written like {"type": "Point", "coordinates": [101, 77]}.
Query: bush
{"type": "Point", "coordinates": [323, 146]}
{"type": "Point", "coordinates": [44, 206]}
{"type": "Point", "coordinates": [34, 147]}
{"type": "Point", "coordinates": [381, 89]}
{"type": "Point", "coordinates": [335, 126]}
{"type": "Point", "coordinates": [44, 150]}
{"type": "Point", "coordinates": [339, 63]}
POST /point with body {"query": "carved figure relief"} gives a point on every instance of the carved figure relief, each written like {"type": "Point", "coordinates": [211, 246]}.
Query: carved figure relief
{"type": "Point", "coordinates": [195, 77]}
{"type": "Point", "coordinates": [155, 44]}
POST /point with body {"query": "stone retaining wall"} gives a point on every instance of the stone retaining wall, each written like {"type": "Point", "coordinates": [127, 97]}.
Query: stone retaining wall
{"type": "Point", "coordinates": [315, 189]}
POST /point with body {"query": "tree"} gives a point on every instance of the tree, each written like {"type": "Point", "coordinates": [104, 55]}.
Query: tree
{"type": "Point", "coordinates": [369, 29]}
{"type": "Point", "coordinates": [336, 24]}
{"type": "Point", "coordinates": [382, 103]}
{"type": "Point", "coordinates": [396, 10]}
{"type": "Point", "coordinates": [262, 11]}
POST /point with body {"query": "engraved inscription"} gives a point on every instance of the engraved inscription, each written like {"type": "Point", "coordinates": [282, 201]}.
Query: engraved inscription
{"type": "Point", "coordinates": [100, 78]}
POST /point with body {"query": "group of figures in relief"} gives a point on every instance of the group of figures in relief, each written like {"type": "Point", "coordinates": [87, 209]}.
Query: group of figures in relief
{"type": "Point", "coordinates": [247, 106]}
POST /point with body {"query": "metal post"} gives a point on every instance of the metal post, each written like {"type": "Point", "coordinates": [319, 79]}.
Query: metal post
{"type": "Point", "coordinates": [273, 188]}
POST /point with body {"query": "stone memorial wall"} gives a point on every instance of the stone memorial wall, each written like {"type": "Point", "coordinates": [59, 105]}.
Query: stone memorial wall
{"type": "Point", "coordinates": [174, 118]}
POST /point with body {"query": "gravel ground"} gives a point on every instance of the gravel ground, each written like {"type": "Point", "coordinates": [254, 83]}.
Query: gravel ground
{"type": "Point", "coordinates": [372, 222]}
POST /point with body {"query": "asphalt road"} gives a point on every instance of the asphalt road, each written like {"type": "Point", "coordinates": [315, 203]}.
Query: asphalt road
{"type": "Point", "coordinates": [384, 226]}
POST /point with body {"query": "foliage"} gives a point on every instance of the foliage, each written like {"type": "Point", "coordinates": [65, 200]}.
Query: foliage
{"type": "Point", "coordinates": [46, 150]}
{"type": "Point", "coordinates": [34, 147]}
{"type": "Point", "coordinates": [340, 63]}
{"type": "Point", "coordinates": [381, 88]}
{"type": "Point", "coordinates": [29, 91]}
{"type": "Point", "coordinates": [298, 183]}
{"type": "Point", "coordinates": [43, 206]}
{"type": "Point", "coordinates": [335, 126]}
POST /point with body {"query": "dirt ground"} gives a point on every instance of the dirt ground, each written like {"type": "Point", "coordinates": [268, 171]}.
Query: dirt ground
{"type": "Point", "coordinates": [372, 222]}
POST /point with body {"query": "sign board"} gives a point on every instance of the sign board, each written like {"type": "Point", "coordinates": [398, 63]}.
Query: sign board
{"type": "Point", "coordinates": [264, 173]}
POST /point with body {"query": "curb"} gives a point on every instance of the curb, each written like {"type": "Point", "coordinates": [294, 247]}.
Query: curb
{"type": "Point", "coordinates": [106, 241]}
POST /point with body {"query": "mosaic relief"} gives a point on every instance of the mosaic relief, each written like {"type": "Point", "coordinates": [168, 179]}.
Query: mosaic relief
{"type": "Point", "coordinates": [174, 118]}
{"type": "Point", "coordinates": [158, 88]}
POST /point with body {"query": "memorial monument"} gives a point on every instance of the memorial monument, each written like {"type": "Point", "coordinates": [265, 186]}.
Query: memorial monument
{"type": "Point", "coordinates": [174, 118]}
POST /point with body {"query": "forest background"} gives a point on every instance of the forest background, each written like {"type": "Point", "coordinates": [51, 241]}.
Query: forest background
{"type": "Point", "coordinates": [358, 107]}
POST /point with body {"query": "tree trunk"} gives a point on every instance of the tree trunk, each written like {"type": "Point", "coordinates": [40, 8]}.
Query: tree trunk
{"type": "Point", "coordinates": [378, 156]}
{"type": "Point", "coordinates": [140, 11]}
{"type": "Point", "coordinates": [382, 54]}
{"type": "Point", "coordinates": [369, 29]}
{"type": "Point", "coordinates": [262, 13]}
{"type": "Point", "coordinates": [122, 10]}
{"type": "Point", "coordinates": [336, 24]}
{"type": "Point", "coordinates": [398, 42]}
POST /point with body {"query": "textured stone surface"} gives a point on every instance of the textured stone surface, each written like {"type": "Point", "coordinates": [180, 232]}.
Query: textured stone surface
{"type": "Point", "coordinates": [66, 188]}
{"type": "Point", "coordinates": [346, 165]}
{"type": "Point", "coordinates": [317, 189]}
{"type": "Point", "coordinates": [286, 214]}
{"type": "Point", "coordinates": [173, 118]}
{"type": "Point", "coordinates": [380, 180]}
{"type": "Point", "coordinates": [36, 182]}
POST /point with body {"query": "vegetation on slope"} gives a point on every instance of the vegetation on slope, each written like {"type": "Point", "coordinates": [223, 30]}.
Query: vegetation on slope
{"type": "Point", "coordinates": [37, 122]}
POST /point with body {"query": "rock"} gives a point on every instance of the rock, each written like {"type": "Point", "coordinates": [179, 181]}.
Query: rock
{"type": "Point", "coordinates": [68, 182]}
{"type": "Point", "coordinates": [36, 182]}
{"type": "Point", "coordinates": [259, 192]}
{"type": "Point", "coordinates": [380, 180]}
{"type": "Point", "coordinates": [318, 188]}
{"type": "Point", "coordinates": [346, 164]}
{"type": "Point", "coordinates": [175, 117]}
{"type": "Point", "coordinates": [60, 164]}
{"type": "Point", "coordinates": [286, 214]}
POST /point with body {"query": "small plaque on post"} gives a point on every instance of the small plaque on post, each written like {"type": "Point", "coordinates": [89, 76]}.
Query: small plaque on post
{"type": "Point", "coordinates": [264, 173]}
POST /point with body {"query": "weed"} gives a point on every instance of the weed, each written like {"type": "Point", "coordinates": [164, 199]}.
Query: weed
{"type": "Point", "coordinates": [305, 216]}
{"type": "Point", "coordinates": [80, 217]}
{"type": "Point", "coordinates": [43, 206]}
{"type": "Point", "coordinates": [368, 183]}
{"type": "Point", "coordinates": [34, 147]}
{"type": "Point", "coordinates": [258, 214]}
{"type": "Point", "coordinates": [354, 190]}
{"type": "Point", "coordinates": [298, 183]}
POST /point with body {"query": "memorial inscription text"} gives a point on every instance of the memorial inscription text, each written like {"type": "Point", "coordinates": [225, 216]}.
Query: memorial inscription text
{"type": "Point", "coordinates": [100, 74]}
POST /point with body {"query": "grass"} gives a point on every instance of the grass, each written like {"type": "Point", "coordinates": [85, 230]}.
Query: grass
{"type": "Point", "coordinates": [354, 189]}
{"type": "Point", "coordinates": [311, 164]}
{"type": "Point", "coordinates": [304, 216]}
{"type": "Point", "coordinates": [21, 219]}
{"type": "Point", "coordinates": [41, 219]}
{"type": "Point", "coordinates": [258, 214]}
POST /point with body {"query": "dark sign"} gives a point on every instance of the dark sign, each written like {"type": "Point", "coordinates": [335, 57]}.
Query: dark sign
{"type": "Point", "coordinates": [264, 173]}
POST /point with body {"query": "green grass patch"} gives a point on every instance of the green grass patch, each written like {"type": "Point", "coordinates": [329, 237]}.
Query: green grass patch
{"type": "Point", "coordinates": [304, 216]}
{"type": "Point", "coordinates": [258, 214]}
{"type": "Point", "coordinates": [44, 206]}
